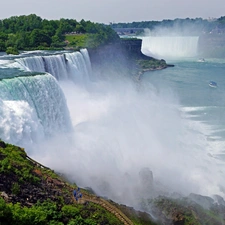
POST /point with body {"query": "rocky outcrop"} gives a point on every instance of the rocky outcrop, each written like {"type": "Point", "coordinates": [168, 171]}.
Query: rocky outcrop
{"type": "Point", "coordinates": [124, 57]}
{"type": "Point", "coordinates": [28, 193]}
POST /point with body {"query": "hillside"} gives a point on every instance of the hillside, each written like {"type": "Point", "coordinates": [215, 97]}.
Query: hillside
{"type": "Point", "coordinates": [34, 194]}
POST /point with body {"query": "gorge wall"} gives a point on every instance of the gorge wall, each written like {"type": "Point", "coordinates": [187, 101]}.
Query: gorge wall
{"type": "Point", "coordinates": [118, 57]}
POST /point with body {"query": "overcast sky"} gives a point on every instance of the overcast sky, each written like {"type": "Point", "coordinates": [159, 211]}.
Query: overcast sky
{"type": "Point", "coordinates": [106, 11]}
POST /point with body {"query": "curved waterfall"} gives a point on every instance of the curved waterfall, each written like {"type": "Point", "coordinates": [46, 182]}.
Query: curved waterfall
{"type": "Point", "coordinates": [32, 108]}
{"type": "Point", "coordinates": [170, 47]}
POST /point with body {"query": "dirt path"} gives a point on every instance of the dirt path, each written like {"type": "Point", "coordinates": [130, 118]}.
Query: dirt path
{"type": "Point", "coordinates": [112, 209]}
{"type": "Point", "coordinates": [97, 200]}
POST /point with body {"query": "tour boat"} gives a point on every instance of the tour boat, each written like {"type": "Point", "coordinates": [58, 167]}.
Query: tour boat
{"type": "Point", "coordinates": [213, 84]}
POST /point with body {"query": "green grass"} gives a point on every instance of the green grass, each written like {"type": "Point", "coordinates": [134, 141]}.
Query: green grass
{"type": "Point", "coordinates": [77, 40]}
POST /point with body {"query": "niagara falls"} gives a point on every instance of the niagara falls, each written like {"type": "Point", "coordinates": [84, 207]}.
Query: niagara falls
{"type": "Point", "coordinates": [126, 117]}
{"type": "Point", "coordinates": [71, 122]}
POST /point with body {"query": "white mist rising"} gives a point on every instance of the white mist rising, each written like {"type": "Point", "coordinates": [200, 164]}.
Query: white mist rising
{"type": "Point", "coordinates": [121, 129]}
{"type": "Point", "coordinates": [128, 141]}
{"type": "Point", "coordinates": [170, 43]}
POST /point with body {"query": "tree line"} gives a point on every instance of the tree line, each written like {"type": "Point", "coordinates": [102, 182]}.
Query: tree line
{"type": "Point", "coordinates": [33, 32]}
{"type": "Point", "coordinates": [197, 25]}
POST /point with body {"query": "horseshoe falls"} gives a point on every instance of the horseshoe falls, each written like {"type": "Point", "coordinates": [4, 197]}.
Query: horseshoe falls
{"type": "Point", "coordinates": [160, 135]}
{"type": "Point", "coordinates": [168, 47]}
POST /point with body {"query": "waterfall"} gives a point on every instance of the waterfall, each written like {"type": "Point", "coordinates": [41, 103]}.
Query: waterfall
{"type": "Point", "coordinates": [170, 47]}
{"type": "Point", "coordinates": [77, 67]}
{"type": "Point", "coordinates": [73, 66]}
{"type": "Point", "coordinates": [31, 108]}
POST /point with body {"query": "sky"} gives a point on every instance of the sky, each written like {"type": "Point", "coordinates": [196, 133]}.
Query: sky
{"type": "Point", "coordinates": [114, 11]}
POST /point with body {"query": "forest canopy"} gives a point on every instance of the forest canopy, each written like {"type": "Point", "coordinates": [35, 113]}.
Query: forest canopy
{"type": "Point", "coordinates": [33, 32]}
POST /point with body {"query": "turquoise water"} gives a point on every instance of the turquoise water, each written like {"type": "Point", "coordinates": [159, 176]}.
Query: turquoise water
{"type": "Point", "coordinates": [189, 80]}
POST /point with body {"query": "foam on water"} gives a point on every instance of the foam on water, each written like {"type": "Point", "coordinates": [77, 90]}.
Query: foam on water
{"type": "Point", "coordinates": [32, 105]}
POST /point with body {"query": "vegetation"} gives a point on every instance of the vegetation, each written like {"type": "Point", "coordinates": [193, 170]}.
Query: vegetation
{"type": "Point", "coordinates": [49, 212]}
{"type": "Point", "coordinates": [152, 64]}
{"type": "Point", "coordinates": [12, 51]}
{"type": "Point", "coordinates": [31, 193]}
{"type": "Point", "coordinates": [195, 26]}
{"type": "Point", "coordinates": [185, 211]}
{"type": "Point", "coordinates": [34, 194]}
{"type": "Point", "coordinates": [32, 32]}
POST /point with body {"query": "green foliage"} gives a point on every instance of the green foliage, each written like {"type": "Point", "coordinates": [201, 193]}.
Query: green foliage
{"type": "Point", "coordinates": [39, 38]}
{"type": "Point", "coordinates": [31, 32]}
{"type": "Point", "coordinates": [5, 213]}
{"type": "Point", "coordinates": [70, 211]}
{"type": "Point", "coordinates": [151, 64]}
{"type": "Point", "coordinates": [12, 51]}
{"type": "Point", "coordinates": [195, 26]}
{"type": "Point", "coordinates": [15, 188]}
{"type": "Point", "coordinates": [79, 40]}
{"type": "Point", "coordinates": [3, 38]}
{"type": "Point", "coordinates": [49, 212]}
{"type": "Point", "coordinates": [190, 212]}
{"type": "Point", "coordinates": [15, 162]}
{"type": "Point", "coordinates": [20, 168]}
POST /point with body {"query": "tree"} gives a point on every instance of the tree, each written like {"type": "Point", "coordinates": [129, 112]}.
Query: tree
{"type": "Point", "coordinates": [5, 213]}
{"type": "Point", "coordinates": [39, 38]}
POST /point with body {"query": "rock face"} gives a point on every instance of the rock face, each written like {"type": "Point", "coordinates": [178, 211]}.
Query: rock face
{"type": "Point", "coordinates": [35, 184]}
{"type": "Point", "coordinates": [2, 144]}
{"type": "Point", "coordinates": [146, 178]}
{"type": "Point", "coordinates": [124, 57]}
{"type": "Point", "coordinates": [25, 181]}
{"type": "Point", "coordinates": [27, 193]}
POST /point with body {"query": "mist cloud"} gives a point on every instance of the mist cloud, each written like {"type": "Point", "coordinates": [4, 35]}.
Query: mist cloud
{"type": "Point", "coordinates": [123, 133]}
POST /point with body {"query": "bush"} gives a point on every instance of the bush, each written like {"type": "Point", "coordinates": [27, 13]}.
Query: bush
{"type": "Point", "coordinates": [12, 51]}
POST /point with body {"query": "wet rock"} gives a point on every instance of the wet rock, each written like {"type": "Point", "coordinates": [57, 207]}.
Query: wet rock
{"type": "Point", "coordinates": [5, 196]}
{"type": "Point", "coordinates": [2, 144]}
{"type": "Point", "coordinates": [204, 201]}
{"type": "Point", "coordinates": [146, 177]}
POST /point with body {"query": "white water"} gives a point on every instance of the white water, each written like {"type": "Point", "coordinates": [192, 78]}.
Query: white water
{"type": "Point", "coordinates": [68, 66]}
{"type": "Point", "coordinates": [168, 47]}
{"type": "Point", "coordinates": [32, 108]}
{"type": "Point", "coordinates": [120, 128]}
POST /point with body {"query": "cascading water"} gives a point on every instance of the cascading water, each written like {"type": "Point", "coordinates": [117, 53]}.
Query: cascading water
{"type": "Point", "coordinates": [170, 46]}
{"type": "Point", "coordinates": [32, 107]}
{"type": "Point", "coordinates": [36, 102]}
{"type": "Point", "coordinates": [120, 131]}
{"type": "Point", "coordinates": [73, 66]}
